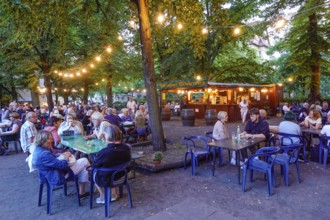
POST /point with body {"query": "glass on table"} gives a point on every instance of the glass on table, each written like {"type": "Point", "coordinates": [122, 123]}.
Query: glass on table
{"type": "Point", "coordinates": [233, 136]}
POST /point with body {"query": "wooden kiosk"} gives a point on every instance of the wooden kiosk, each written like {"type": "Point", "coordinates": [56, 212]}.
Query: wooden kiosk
{"type": "Point", "coordinates": [201, 95]}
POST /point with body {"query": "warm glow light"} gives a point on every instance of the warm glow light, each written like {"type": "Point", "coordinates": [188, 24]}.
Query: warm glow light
{"type": "Point", "coordinates": [209, 90]}
{"type": "Point", "coordinates": [144, 90]}
{"type": "Point", "coordinates": [280, 23]}
{"type": "Point", "coordinates": [160, 18]}
{"type": "Point", "coordinates": [84, 70]}
{"type": "Point", "coordinates": [125, 87]}
{"type": "Point", "coordinates": [198, 77]}
{"type": "Point", "coordinates": [92, 65]}
{"type": "Point", "coordinates": [98, 58]}
{"type": "Point", "coordinates": [132, 24]}
{"type": "Point", "coordinates": [109, 50]}
{"type": "Point", "coordinates": [237, 31]}
{"type": "Point", "coordinates": [60, 74]}
{"type": "Point", "coordinates": [290, 79]}
{"type": "Point", "coordinates": [78, 73]}
{"type": "Point", "coordinates": [55, 71]}
{"type": "Point", "coordinates": [119, 84]}
{"type": "Point", "coordinates": [180, 26]}
{"type": "Point", "coordinates": [96, 84]}
{"type": "Point", "coordinates": [103, 80]}
{"type": "Point", "coordinates": [64, 90]}
{"type": "Point", "coordinates": [280, 84]}
{"type": "Point", "coordinates": [132, 89]}
{"type": "Point", "coordinates": [204, 31]}
{"type": "Point", "coordinates": [138, 90]}
{"type": "Point", "coordinates": [71, 75]}
{"type": "Point", "coordinates": [240, 89]}
{"type": "Point", "coordinates": [82, 89]}
{"type": "Point", "coordinates": [264, 90]}
{"type": "Point", "coordinates": [120, 38]}
{"type": "Point", "coordinates": [55, 89]}
{"type": "Point", "coordinates": [66, 75]}
{"type": "Point", "coordinates": [252, 89]}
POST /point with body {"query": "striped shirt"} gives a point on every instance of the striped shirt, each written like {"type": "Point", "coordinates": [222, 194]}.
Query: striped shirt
{"type": "Point", "coordinates": [28, 130]}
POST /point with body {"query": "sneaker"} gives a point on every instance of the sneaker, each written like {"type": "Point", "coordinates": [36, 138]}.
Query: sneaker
{"type": "Point", "coordinates": [100, 200]}
{"type": "Point", "coordinates": [233, 161]}
{"type": "Point", "coordinates": [114, 198]}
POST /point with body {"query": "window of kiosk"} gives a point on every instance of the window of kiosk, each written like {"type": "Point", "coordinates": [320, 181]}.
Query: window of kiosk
{"type": "Point", "coordinates": [197, 98]}
{"type": "Point", "coordinates": [219, 97]}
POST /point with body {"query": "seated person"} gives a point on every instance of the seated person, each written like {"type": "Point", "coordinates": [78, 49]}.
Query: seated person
{"type": "Point", "coordinates": [126, 117]}
{"type": "Point", "coordinates": [256, 127]}
{"type": "Point", "coordinates": [313, 120]}
{"type": "Point", "coordinates": [112, 117]}
{"type": "Point", "coordinates": [303, 112]}
{"type": "Point", "coordinates": [52, 126]}
{"type": "Point", "coordinates": [144, 111]}
{"type": "Point", "coordinates": [114, 154]}
{"type": "Point", "coordinates": [13, 130]}
{"type": "Point", "coordinates": [70, 124]}
{"type": "Point", "coordinates": [99, 126]}
{"type": "Point", "coordinates": [288, 126]}
{"type": "Point", "coordinates": [54, 169]}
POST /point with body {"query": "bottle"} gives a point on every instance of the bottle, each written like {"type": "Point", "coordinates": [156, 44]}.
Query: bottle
{"type": "Point", "coordinates": [238, 133]}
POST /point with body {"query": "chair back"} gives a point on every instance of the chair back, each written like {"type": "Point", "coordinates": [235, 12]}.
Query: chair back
{"type": "Point", "coordinates": [118, 173]}
{"type": "Point", "coordinates": [209, 135]}
{"type": "Point", "coordinates": [292, 151]}
{"type": "Point", "coordinates": [194, 143]}
{"type": "Point", "coordinates": [325, 142]}
{"type": "Point", "coordinates": [264, 152]}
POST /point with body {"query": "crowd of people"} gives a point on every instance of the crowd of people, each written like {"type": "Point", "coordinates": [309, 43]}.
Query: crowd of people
{"type": "Point", "coordinates": [39, 131]}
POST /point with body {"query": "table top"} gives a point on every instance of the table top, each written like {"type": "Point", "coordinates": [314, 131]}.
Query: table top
{"type": "Point", "coordinates": [310, 130]}
{"type": "Point", "coordinates": [230, 144]}
{"type": "Point", "coordinates": [77, 142]}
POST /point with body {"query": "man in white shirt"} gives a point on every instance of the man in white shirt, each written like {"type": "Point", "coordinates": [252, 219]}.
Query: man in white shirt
{"type": "Point", "coordinates": [131, 104]}
{"type": "Point", "coordinates": [28, 131]}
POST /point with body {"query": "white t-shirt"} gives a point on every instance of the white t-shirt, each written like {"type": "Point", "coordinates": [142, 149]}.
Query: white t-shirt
{"type": "Point", "coordinates": [131, 105]}
{"type": "Point", "coordinates": [286, 109]}
{"type": "Point", "coordinates": [244, 106]}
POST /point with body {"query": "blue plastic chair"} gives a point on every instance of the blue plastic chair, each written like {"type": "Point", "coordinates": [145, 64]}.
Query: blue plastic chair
{"type": "Point", "coordinates": [264, 166]}
{"type": "Point", "coordinates": [289, 155]}
{"type": "Point", "coordinates": [196, 146]}
{"type": "Point", "coordinates": [325, 147]}
{"type": "Point", "coordinates": [43, 180]}
{"type": "Point", "coordinates": [117, 171]}
{"type": "Point", "coordinates": [302, 141]}
{"type": "Point", "coordinates": [209, 134]}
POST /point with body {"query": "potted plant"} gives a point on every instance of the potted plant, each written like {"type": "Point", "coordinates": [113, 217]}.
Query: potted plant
{"type": "Point", "coordinates": [157, 157]}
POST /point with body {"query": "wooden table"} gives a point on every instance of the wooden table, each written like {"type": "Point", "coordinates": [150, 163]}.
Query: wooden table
{"type": "Point", "coordinates": [236, 146]}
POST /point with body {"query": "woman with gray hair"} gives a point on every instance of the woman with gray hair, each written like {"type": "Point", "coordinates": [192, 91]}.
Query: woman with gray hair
{"type": "Point", "coordinates": [50, 165]}
{"type": "Point", "coordinates": [99, 124]}
{"type": "Point", "coordinates": [114, 154]}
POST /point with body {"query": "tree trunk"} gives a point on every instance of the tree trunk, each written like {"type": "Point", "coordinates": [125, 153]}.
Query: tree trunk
{"type": "Point", "coordinates": [35, 98]}
{"type": "Point", "coordinates": [48, 87]}
{"type": "Point", "coordinates": [149, 77]}
{"type": "Point", "coordinates": [86, 91]}
{"type": "Point", "coordinates": [315, 60]}
{"type": "Point", "coordinates": [108, 91]}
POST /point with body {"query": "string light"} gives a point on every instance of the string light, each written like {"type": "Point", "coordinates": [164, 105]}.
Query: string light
{"type": "Point", "coordinates": [98, 58]}
{"type": "Point", "coordinates": [160, 18]}
{"type": "Point", "coordinates": [84, 70]}
{"type": "Point", "coordinates": [103, 80]}
{"type": "Point", "coordinates": [280, 23]}
{"type": "Point", "coordinates": [180, 26]}
{"type": "Point", "coordinates": [109, 50]}
{"type": "Point", "coordinates": [92, 65]}
{"type": "Point", "coordinates": [237, 31]}
{"type": "Point", "coordinates": [204, 31]}
{"type": "Point", "coordinates": [120, 38]}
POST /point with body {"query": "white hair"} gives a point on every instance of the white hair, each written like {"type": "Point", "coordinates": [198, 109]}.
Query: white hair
{"type": "Point", "coordinates": [97, 116]}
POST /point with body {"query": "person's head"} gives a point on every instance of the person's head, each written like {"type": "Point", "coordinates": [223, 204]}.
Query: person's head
{"type": "Point", "coordinates": [114, 111]}
{"type": "Point", "coordinates": [289, 116]}
{"type": "Point", "coordinates": [109, 111]}
{"type": "Point", "coordinates": [263, 113]}
{"type": "Point", "coordinates": [142, 108]}
{"type": "Point", "coordinates": [286, 104]}
{"type": "Point", "coordinates": [314, 114]}
{"type": "Point", "coordinates": [113, 134]}
{"type": "Point", "coordinates": [306, 105]}
{"type": "Point", "coordinates": [244, 101]}
{"type": "Point", "coordinates": [69, 117]}
{"type": "Point", "coordinates": [31, 117]}
{"type": "Point", "coordinates": [97, 118]}
{"type": "Point", "coordinates": [254, 114]}
{"type": "Point", "coordinates": [44, 138]}
{"type": "Point", "coordinates": [325, 105]}
{"type": "Point", "coordinates": [13, 116]}
{"type": "Point", "coordinates": [54, 121]}
{"type": "Point", "coordinates": [317, 103]}
{"type": "Point", "coordinates": [125, 111]}
{"type": "Point", "coordinates": [89, 112]}
{"type": "Point", "coordinates": [130, 98]}
{"type": "Point", "coordinates": [313, 106]}
{"type": "Point", "coordinates": [222, 116]}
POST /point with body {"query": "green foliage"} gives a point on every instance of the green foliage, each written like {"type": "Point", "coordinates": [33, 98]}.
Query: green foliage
{"type": "Point", "coordinates": [157, 156]}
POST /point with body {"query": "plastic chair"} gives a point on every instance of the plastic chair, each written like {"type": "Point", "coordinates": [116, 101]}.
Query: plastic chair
{"type": "Point", "coordinates": [43, 180]}
{"type": "Point", "coordinates": [325, 147]}
{"type": "Point", "coordinates": [302, 141]}
{"type": "Point", "coordinates": [289, 155]}
{"type": "Point", "coordinates": [265, 166]}
{"type": "Point", "coordinates": [209, 135]}
{"type": "Point", "coordinates": [115, 172]}
{"type": "Point", "coordinates": [196, 151]}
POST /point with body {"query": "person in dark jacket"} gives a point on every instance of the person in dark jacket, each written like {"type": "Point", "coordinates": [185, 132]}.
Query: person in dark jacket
{"type": "Point", "coordinates": [53, 168]}
{"type": "Point", "coordinates": [114, 154]}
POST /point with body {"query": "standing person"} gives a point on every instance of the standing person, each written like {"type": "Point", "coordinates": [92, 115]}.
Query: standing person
{"type": "Point", "coordinates": [50, 166]}
{"type": "Point", "coordinates": [28, 131]}
{"type": "Point", "coordinates": [244, 106]}
{"type": "Point", "coordinates": [324, 111]}
{"type": "Point", "coordinates": [286, 107]}
{"type": "Point", "coordinates": [114, 154]}
{"type": "Point", "coordinates": [131, 104]}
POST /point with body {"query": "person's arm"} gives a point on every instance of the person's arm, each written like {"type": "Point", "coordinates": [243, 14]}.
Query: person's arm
{"type": "Point", "coordinates": [13, 131]}
{"type": "Point", "coordinates": [318, 124]}
{"type": "Point", "coordinates": [50, 160]}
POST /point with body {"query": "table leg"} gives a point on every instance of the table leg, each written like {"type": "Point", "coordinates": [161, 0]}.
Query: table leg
{"type": "Point", "coordinates": [238, 159]}
{"type": "Point", "coordinates": [213, 160]}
